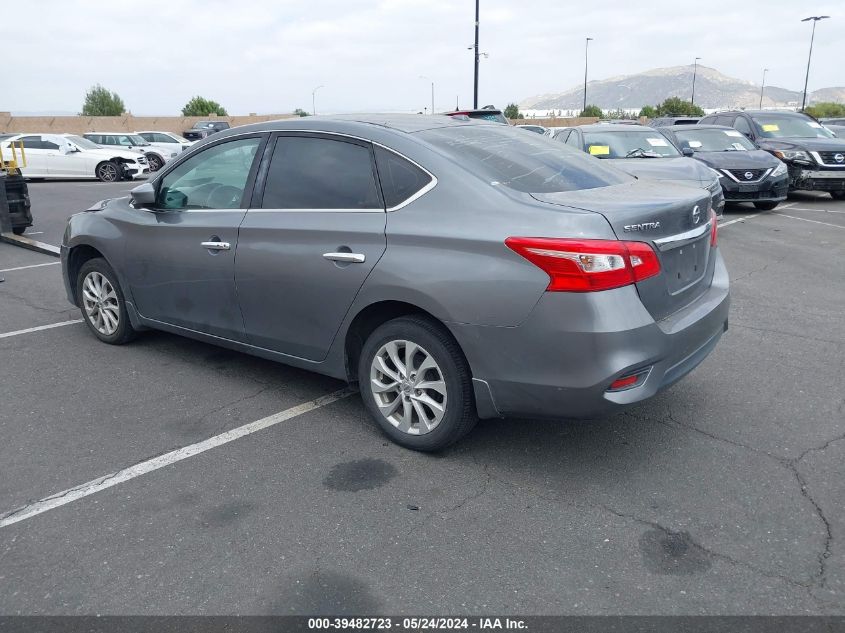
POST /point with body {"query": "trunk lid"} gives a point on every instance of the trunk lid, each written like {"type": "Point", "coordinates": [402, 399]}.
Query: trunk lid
{"type": "Point", "coordinates": [673, 218]}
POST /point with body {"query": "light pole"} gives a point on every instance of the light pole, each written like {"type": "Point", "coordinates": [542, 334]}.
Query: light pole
{"type": "Point", "coordinates": [314, 99]}
{"type": "Point", "coordinates": [694, 73]}
{"type": "Point", "coordinates": [432, 91]}
{"type": "Point", "coordinates": [586, 58]}
{"type": "Point", "coordinates": [814, 18]}
{"type": "Point", "coordinates": [475, 88]}
{"type": "Point", "coordinates": [763, 87]}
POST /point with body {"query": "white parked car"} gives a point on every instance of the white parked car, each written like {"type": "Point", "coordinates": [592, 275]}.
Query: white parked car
{"type": "Point", "coordinates": [71, 156]}
{"type": "Point", "coordinates": [166, 141]}
{"type": "Point", "coordinates": [156, 157]}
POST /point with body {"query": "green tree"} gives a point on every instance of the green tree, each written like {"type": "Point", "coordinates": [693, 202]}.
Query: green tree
{"type": "Point", "coordinates": [591, 111]}
{"type": "Point", "coordinates": [619, 113]}
{"type": "Point", "coordinates": [300, 112]}
{"type": "Point", "coordinates": [648, 111]}
{"type": "Point", "coordinates": [826, 109]}
{"type": "Point", "coordinates": [101, 102]}
{"type": "Point", "coordinates": [200, 106]}
{"type": "Point", "coordinates": [512, 111]}
{"type": "Point", "coordinates": [679, 107]}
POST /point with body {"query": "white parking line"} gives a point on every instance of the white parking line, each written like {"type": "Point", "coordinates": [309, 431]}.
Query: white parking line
{"type": "Point", "coordinates": [755, 215]}
{"type": "Point", "coordinates": [793, 217]}
{"type": "Point", "coordinates": [817, 210]}
{"type": "Point", "coordinates": [107, 481]}
{"type": "Point", "coordinates": [39, 328]}
{"type": "Point", "coordinates": [8, 270]}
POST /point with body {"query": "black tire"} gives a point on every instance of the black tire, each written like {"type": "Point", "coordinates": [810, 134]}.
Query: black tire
{"type": "Point", "coordinates": [766, 206]}
{"type": "Point", "coordinates": [459, 414]}
{"type": "Point", "coordinates": [18, 230]}
{"type": "Point", "coordinates": [837, 195]}
{"type": "Point", "coordinates": [109, 171]}
{"type": "Point", "coordinates": [124, 332]}
{"type": "Point", "coordinates": [155, 161]}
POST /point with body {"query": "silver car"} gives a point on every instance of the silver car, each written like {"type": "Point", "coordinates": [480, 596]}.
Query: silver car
{"type": "Point", "coordinates": [450, 269]}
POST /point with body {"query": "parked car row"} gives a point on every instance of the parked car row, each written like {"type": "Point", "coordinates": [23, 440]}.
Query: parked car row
{"type": "Point", "coordinates": [157, 153]}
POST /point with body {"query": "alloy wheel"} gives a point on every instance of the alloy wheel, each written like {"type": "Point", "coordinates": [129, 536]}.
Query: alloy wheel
{"type": "Point", "coordinates": [408, 387]}
{"type": "Point", "coordinates": [99, 300]}
{"type": "Point", "coordinates": [107, 172]}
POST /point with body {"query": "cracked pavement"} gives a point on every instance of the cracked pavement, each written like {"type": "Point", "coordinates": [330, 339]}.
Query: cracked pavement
{"type": "Point", "coordinates": [722, 495]}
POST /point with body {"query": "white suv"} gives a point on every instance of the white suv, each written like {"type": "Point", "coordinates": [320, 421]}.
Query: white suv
{"type": "Point", "coordinates": [71, 156]}
{"type": "Point", "coordinates": [155, 156]}
{"type": "Point", "coordinates": [168, 142]}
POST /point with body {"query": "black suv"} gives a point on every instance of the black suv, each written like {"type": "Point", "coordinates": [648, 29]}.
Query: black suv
{"type": "Point", "coordinates": [814, 156]}
{"type": "Point", "coordinates": [747, 174]}
{"type": "Point", "coordinates": [203, 129]}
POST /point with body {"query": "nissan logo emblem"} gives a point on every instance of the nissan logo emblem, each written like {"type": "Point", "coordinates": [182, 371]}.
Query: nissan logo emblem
{"type": "Point", "coordinates": [749, 175]}
{"type": "Point", "coordinates": [839, 158]}
{"type": "Point", "coordinates": [696, 215]}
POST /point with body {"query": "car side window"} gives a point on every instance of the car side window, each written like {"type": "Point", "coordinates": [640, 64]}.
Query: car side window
{"type": "Point", "coordinates": [213, 179]}
{"type": "Point", "coordinates": [31, 142]}
{"type": "Point", "coordinates": [400, 179]}
{"type": "Point", "coordinates": [309, 172]}
{"type": "Point", "coordinates": [161, 138]}
{"type": "Point", "coordinates": [574, 140]}
{"type": "Point", "coordinates": [124, 140]}
{"type": "Point", "coordinates": [742, 125]}
{"type": "Point", "coordinates": [45, 144]}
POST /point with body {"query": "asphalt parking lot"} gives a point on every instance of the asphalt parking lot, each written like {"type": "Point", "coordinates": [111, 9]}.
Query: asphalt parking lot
{"type": "Point", "coordinates": [723, 495]}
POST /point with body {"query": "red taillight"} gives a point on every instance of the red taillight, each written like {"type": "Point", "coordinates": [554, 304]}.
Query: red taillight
{"type": "Point", "coordinates": [714, 230]}
{"type": "Point", "coordinates": [621, 383]}
{"type": "Point", "coordinates": [587, 265]}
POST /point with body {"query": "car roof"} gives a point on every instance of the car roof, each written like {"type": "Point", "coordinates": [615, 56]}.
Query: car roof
{"type": "Point", "coordinates": [362, 124]}
{"type": "Point", "coordinates": [762, 112]}
{"type": "Point", "coordinates": [615, 127]}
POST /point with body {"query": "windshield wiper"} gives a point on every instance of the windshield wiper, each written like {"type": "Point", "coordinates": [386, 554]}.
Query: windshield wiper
{"type": "Point", "coordinates": [641, 153]}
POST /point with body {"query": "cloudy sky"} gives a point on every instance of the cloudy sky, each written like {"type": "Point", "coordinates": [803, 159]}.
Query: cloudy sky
{"type": "Point", "coordinates": [266, 57]}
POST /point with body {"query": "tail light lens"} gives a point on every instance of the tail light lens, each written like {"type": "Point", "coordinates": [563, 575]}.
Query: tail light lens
{"type": "Point", "coordinates": [714, 229]}
{"type": "Point", "coordinates": [587, 265]}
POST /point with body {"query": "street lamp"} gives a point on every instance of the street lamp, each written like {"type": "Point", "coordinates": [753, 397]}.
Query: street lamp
{"type": "Point", "coordinates": [694, 73]}
{"type": "Point", "coordinates": [586, 51]}
{"type": "Point", "coordinates": [432, 91]}
{"type": "Point", "coordinates": [814, 18]}
{"type": "Point", "coordinates": [314, 99]}
{"type": "Point", "coordinates": [763, 87]}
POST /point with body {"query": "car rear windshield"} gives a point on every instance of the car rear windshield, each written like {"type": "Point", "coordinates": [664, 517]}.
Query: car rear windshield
{"type": "Point", "coordinates": [704, 140]}
{"type": "Point", "coordinates": [774, 126]}
{"type": "Point", "coordinates": [627, 143]}
{"type": "Point", "coordinates": [493, 115]}
{"type": "Point", "coordinates": [529, 163]}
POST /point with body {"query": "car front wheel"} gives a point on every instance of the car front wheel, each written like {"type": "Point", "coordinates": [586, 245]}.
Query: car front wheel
{"type": "Point", "coordinates": [108, 171]}
{"type": "Point", "coordinates": [102, 304]}
{"type": "Point", "coordinates": [766, 206]}
{"type": "Point", "coordinates": [155, 161]}
{"type": "Point", "coordinates": [416, 384]}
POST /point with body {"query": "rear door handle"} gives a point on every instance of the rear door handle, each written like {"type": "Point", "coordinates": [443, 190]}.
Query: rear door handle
{"type": "Point", "coordinates": [355, 258]}
{"type": "Point", "coordinates": [216, 246]}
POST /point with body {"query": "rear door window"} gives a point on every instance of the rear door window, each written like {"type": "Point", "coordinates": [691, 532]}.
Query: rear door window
{"type": "Point", "coordinates": [400, 178]}
{"type": "Point", "coordinates": [742, 125]}
{"type": "Point", "coordinates": [312, 172]}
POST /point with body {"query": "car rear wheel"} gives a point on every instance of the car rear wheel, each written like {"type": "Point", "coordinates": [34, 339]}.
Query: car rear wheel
{"type": "Point", "coordinates": [155, 161]}
{"type": "Point", "coordinates": [766, 206]}
{"type": "Point", "coordinates": [18, 230]}
{"type": "Point", "coordinates": [102, 304]}
{"type": "Point", "coordinates": [108, 171]}
{"type": "Point", "coordinates": [416, 384]}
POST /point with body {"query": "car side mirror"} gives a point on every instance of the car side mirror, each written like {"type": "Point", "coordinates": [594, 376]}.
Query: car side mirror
{"type": "Point", "coordinates": [144, 195]}
{"type": "Point", "coordinates": [687, 151]}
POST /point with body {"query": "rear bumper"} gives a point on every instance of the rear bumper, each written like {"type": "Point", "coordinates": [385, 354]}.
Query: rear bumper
{"type": "Point", "coordinates": [561, 361]}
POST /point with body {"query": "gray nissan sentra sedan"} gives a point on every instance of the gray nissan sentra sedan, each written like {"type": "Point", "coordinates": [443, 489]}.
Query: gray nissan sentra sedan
{"type": "Point", "coordinates": [451, 269]}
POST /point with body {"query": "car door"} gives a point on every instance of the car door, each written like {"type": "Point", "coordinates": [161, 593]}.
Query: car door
{"type": "Point", "coordinates": [64, 163]}
{"type": "Point", "coordinates": [181, 253]}
{"type": "Point", "coordinates": [315, 231]}
{"type": "Point", "coordinates": [36, 157]}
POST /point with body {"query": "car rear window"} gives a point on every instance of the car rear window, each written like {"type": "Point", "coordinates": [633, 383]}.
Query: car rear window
{"type": "Point", "coordinates": [496, 117]}
{"type": "Point", "coordinates": [529, 163]}
{"type": "Point", "coordinates": [400, 179]}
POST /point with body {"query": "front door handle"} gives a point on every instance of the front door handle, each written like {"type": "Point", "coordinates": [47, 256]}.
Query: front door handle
{"type": "Point", "coordinates": [355, 258]}
{"type": "Point", "coordinates": [216, 246]}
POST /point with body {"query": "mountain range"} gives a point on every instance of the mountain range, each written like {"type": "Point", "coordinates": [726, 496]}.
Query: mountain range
{"type": "Point", "coordinates": [712, 90]}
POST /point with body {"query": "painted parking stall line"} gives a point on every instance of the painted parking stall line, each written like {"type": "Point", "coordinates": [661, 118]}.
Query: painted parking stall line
{"type": "Point", "coordinates": [40, 328]}
{"type": "Point", "coordinates": [795, 217]}
{"type": "Point", "coordinates": [8, 270]}
{"type": "Point", "coordinates": [754, 215]}
{"type": "Point", "coordinates": [142, 468]}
